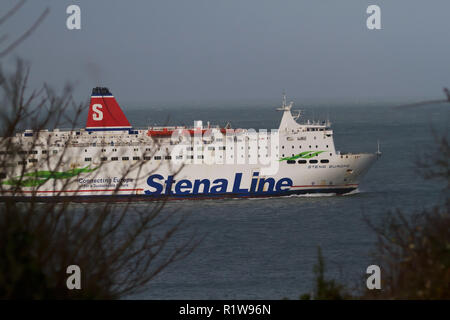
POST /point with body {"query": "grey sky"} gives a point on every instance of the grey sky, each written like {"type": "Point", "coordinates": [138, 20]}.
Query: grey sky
{"type": "Point", "coordinates": [206, 50]}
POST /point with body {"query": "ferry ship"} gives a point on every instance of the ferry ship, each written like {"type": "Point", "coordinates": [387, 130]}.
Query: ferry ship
{"type": "Point", "coordinates": [110, 159]}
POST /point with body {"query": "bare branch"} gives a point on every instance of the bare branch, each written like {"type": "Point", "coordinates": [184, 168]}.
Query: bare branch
{"type": "Point", "coordinates": [27, 33]}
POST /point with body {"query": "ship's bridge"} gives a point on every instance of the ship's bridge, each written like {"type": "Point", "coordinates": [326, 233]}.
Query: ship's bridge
{"type": "Point", "coordinates": [289, 122]}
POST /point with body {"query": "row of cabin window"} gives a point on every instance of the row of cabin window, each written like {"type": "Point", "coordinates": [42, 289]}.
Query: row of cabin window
{"type": "Point", "coordinates": [27, 152]}
{"type": "Point", "coordinates": [159, 149]}
{"type": "Point", "coordinates": [310, 161]}
{"type": "Point", "coordinates": [115, 150]}
{"type": "Point", "coordinates": [22, 162]}
{"type": "Point", "coordinates": [145, 158]}
{"type": "Point", "coordinates": [187, 148]}
{"type": "Point", "coordinates": [127, 158]}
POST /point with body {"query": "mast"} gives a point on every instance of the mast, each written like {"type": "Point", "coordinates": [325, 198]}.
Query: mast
{"type": "Point", "coordinates": [284, 106]}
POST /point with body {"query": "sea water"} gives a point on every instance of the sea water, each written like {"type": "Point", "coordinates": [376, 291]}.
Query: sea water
{"type": "Point", "coordinates": [266, 248]}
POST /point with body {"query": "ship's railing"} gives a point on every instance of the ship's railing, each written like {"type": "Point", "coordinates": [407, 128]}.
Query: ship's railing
{"type": "Point", "coordinates": [161, 128]}
{"type": "Point", "coordinates": [69, 130]}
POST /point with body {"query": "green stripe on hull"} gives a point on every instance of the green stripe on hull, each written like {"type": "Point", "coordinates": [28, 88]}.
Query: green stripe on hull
{"type": "Point", "coordinates": [38, 178]}
{"type": "Point", "coordinates": [303, 155]}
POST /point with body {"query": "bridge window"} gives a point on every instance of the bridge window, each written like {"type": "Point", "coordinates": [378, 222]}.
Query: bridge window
{"type": "Point", "coordinates": [291, 161]}
{"type": "Point", "coordinates": [125, 158]}
{"type": "Point", "coordinates": [103, 158]}
{"type": "Point", "coordinates": [87, 159]}
{"type": "Point", "coordinates": [301, 161]}
{"type": "Point", "coordinates": [136, 158]}
{"type": "Point", "coordinates": [168, 157]}
{"type": "Point", "coordinates": [324, 161]}
{"type": "Point", "coordinates": [313, 161]}
{"type": "Point", "coordinates": [147, 158]}
{"type": "Point", "coordinates": [114, 158]}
